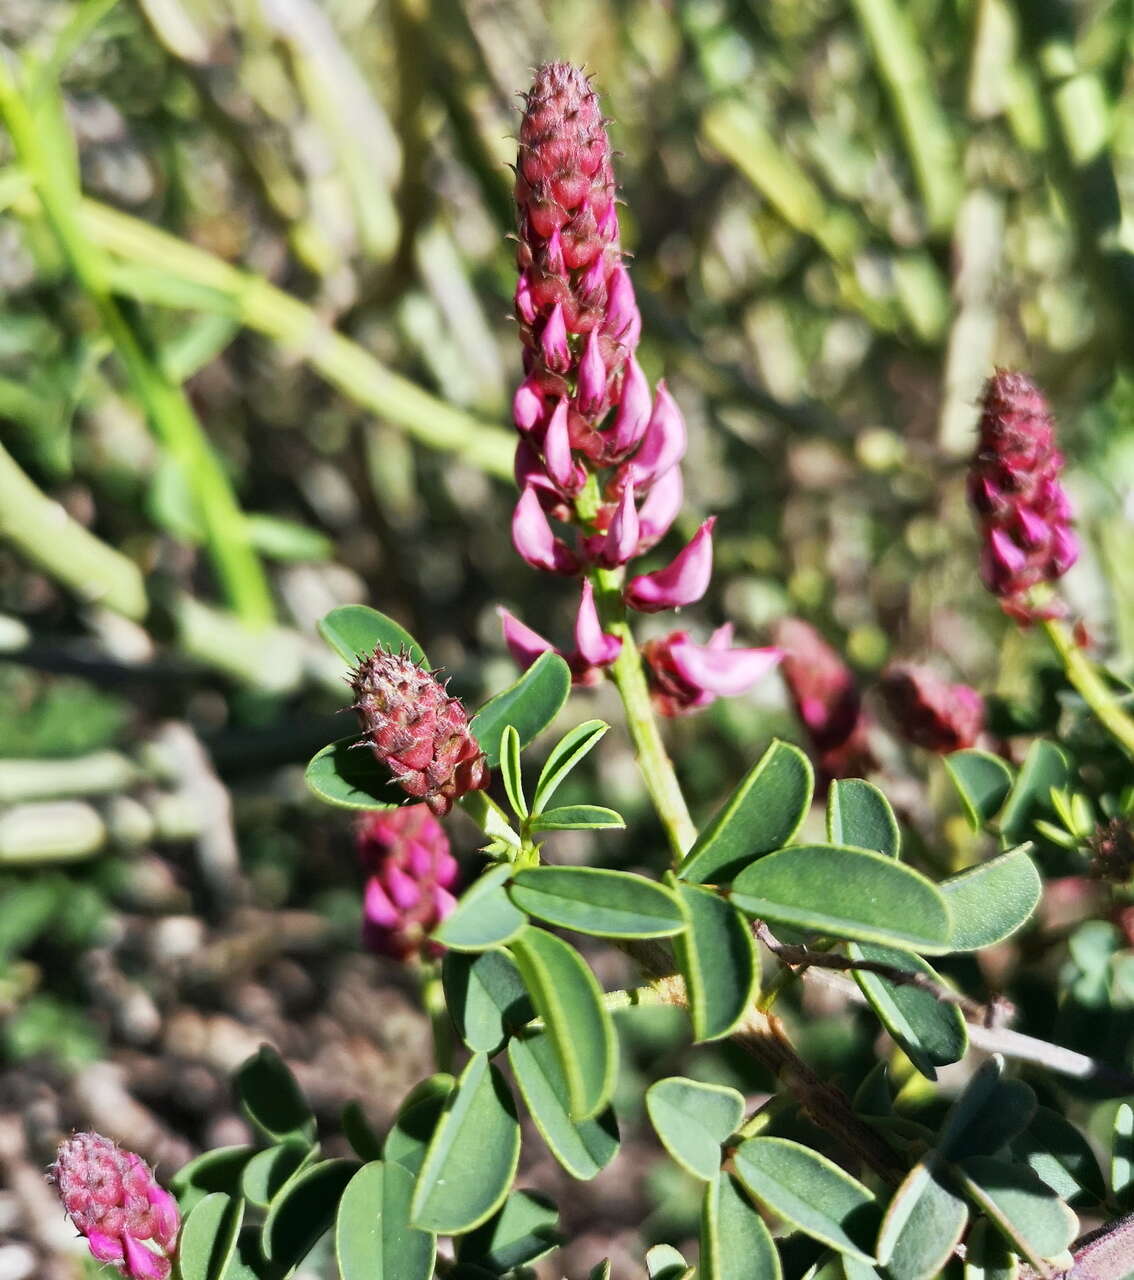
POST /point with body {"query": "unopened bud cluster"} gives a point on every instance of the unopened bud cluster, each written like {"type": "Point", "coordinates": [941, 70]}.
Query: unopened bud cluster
{"type": "Point", "coordinates": [585, 414]}
{"type": "Point", "coordinates": [1015, 489]}
{"type": "Point", "coordinates": [410, 874]}
{"type": "Point", "coordinates": [114, 1200]}
{"type": "Point", "coordinates": [929, 711]}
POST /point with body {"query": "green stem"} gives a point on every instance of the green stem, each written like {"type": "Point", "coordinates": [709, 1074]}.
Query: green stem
{"type": "Point", "coordinates": [1093, 689]}
{"type": "Point", "coordinates": [630, 680]}
{"type": "Point", "coordinates": [433, 1001]}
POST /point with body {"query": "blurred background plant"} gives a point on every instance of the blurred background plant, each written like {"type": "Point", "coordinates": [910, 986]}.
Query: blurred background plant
{"type": "Point", "coordinates": [256, 361]}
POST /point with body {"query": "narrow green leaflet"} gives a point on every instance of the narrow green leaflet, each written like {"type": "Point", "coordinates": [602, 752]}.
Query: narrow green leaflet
{"type": "Point", "coordinates": [485, 915]}
{"type": "Point", "coordinates": [523, 1231]}
{"type": "Point", "coordinates": [982, 781]}
{"type": "Point", "coordinates": [989, 902]}
{"type": "Point", "coordinates": [929, 1032]}
{"type": "Point", "coordinates": [564, 756]}
{"type": "Point", "coordinates": [583, 1147]}
{"type": "Point", "coordinates": [304, 1211]}
{"type": "Point", "coordinates": [579, 817]}
{"type": "Point", "coordinates": [763, 813]}
{"type": "Point", "coordinates": [1026, 1211]}
{"type": "Point", "coordinates": [810, 1191]}
{"type": "Point", "coordinates": [486, 998]}
{"type": "Point", "coordinates": [848, 893]}
{"type": "Point", "coordinates": [269, 1170]}
{"type": "Point", "coordinates": [569, 1000]}
{"type": "Point", "coordinates": [859, 814]}
{"type": "Point", "coordinates": [416, 1122]}
{"type": "Point", "coordinates": [217, 1170]}
{"type": "Point", "coordinates": [693, 1120]}
{"type": "Point", "coordinates": [717, 957]}
{"type": "Point", "coordinates": [610, 904]}
{"type": "Point", "coordinates": [1044, 767]}
{"type": "Point", "coordinates": [271, 1099]}
{"type": "Point", "coordinates": [373, 1236]}
{"type": "Point", "coordinates": [473, 1155]}
{"type": "Point", "coordinates": [529, 705]}
{"type": "Point", "coordinates": [990, 1112]}
{"type": "Point", "coordinates": [208, 1238]}
{"type": "Point", "coordinates": [922, 1225]}
{"type": "Point", "coordinates": [354, 631]}
{"type": "Point", "coordinates": [1057, 1152]}
{"type": "Point", "coordinates": [735, 1243]}
{"type": "Point", "coordinates": [347, 775]}
{"type": "Point", "coordinates": [512, 771]}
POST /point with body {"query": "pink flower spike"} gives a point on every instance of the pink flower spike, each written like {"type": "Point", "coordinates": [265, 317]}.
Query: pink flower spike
{"type": "Point", "coordinates": [557, 453]}
{"type": "Point", "coordinates": [595, 647]}
{"type": "Point", "coordinates": [683, 581]}
{"type": "Point", "coordinates": [553, 342]}
{"type": "Point", "coordinates": [591, 392]}
{"type": "Point", "coordinates": [534, 541]}
{"type": "Point", "coordinates": [621, 543]}
{"type": "Point", "coordinates": [524, 644]}
{"type": "Point", "coordinates": [660, 508]}
{"type": "Point", "coordinates": [721, 671]}
{"type": "Point", "coordinates": [527, 407]}
{"type": "Point", "coordinates": [633, 414]}
{"type": "Point", "coordinates": [663, 444]}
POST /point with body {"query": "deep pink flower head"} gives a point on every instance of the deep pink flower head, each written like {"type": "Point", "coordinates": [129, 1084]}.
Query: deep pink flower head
{"type": "Point", "coordinates": [931, 712]}
{"type": "Point", "coordinates": [418, 732]}
{"type": "Point", "coordinates": [1014, 488]}
{"type": "Point", "coordinates": [685, 676]}
{"type": "Point", "coordinates": [826, 699]}
{"type": "Point", "coordinates": [113, 1200]}
{"type": "Point", "coordinates": [409, 874]}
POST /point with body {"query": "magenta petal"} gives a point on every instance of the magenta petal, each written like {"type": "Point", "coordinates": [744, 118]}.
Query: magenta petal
{"type": "Point", "coordinates": [591, 393]}
{"type": "Point", "coordinates": [663, 445]}
{"type": "Point", "coordinates": [623, 319]}
{"type": "Point", "coordinates": [557, 451]}
{"type": "Point", "coordinates": [594, 646]}
{"type": "Point", "coordinates": [377, 907]}
{"type": "Point", "coordinates": [683, 581]}
{"type": "Point", "coordinates": [525, 307]}
{"type": "Point", "coordinates": [660, 508]}
{"type": "Point", "coordinates": [143, 1263]}
{"type": "Point", "coordinates": [554, 261]}
{"type": "Point", "coordinates": [106, 1248]}
{"type": "Point", "coordinates": [1033, 526]}
{"type": "Point", "coordinates": [621, 543]}
{"type": "Point", "coordinates": [724, 672]}
{"type": "Point", "coordinates": [444, 904]}
{"type": "Point", "coordinates": [527, 406]}
{"type": "Point", "coordinates": [533, 539]}
{"type": "Point", "coordinates": [1006, 553]}
{"type": "Point", "coordinates": [524, 644]}
{"type": "Point", "coordinates": [722, 637]}
{"type": "Point", "coordinates": [553, 341]}
{"type": "Point", "coordinates": [1065, 548]}
{"type": "Point", "coordinates": [404, 891]}
{"type": "Point", "coordinates": [166, 1215]}
{"type": "Point", "coordinates": [633, 414]}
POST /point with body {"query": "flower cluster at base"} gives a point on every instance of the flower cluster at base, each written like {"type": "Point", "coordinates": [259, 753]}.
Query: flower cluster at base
{"type": "Point", "coordinates": [1014, 488]}
{"type": "Point", "coordinates": [417, 731]}
{"type": "Point", "coordinates": [114, 1201]}
{"type": "Point", "coordinates": [409, 874]}
{"type": "Point", "coordinates": [596, 451]}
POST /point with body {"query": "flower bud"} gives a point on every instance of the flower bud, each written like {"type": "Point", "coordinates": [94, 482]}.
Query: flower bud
{"type": "Point", "coordinates": [534, 541]}
{"type": "Point", "coordinates": [930, 712]}
{"type": "Point", "coordinates": [592, 645]}
{"type": "Point", "coordinates": [663, 444]}
{"type": "Point", "coordinates": [683, 581]}
{"type": "Point", "coordinates": [114, 1200]}
{"type": "Point", "coordinates": [660, 509]}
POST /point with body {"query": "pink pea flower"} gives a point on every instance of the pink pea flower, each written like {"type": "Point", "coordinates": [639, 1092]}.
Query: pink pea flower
{"type": "Point", "coordinates": [683, 581]}
{"type": "Point", "coordinates": [685, 676]}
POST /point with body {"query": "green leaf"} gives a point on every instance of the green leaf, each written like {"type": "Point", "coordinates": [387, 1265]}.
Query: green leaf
{"type": "Point", "coordinates": [579, 817]}
{"type": "Point", "coordinates": [373, 1236]}
{"type": "Point", "coordinates": [362, 1138]}
{"type": "Point", "coordinates": [472, 1157]}
{"type": "Point", "coordinates": [248, 1261]}
{"type": "Point", "coordinates": [529, 705]}
{"type": "Point", "coordinates": [1122, 1155]}
{"type": "Point", "coordinates": [991, 901]}
{"type": "Point", "coordinates": [988, 1256]}
{"type": "Point", "coordinates": [217, 1170]}
{"type": "Point", "coordinates": [583, 1147]}
{"type": "Point", "coordinates": [485, 916]}
{"type": "Point", "coordinates": [486, 998]}
{"type": "Point", "coordinates": [763, 813]}
{"type": "Point", "coordinates": [693, 1120]}
{"type": "Point", "coordinates": [416, 1122]}
{"type": "Point", "coordinates": [983, 782]}
{"type": "Point", "coordinates": [810, 1191]}
{"type": "Point", "coordinates": [717, 957]}
{"type": "Point", "coordinates": [348, 775]}
{"type": "Point", "coordinates": [271, 1099]}
{"type": "Point", "coordinates": [735, 1243]}
{"type": "Point", "coordinates": [923, 1224]}
{"type": "Point", "coordinates": [208, 1238]}
{"type": "Point", "coordinates": [269, 1170]}
{"type": "Point", "coordinates": [564, 756]}
{"type": "Point", "coordinates": [512, 771]}
{"type": "Point", "coordinates": [1025, 1210]}
{"type": "Point", "coordinates": [859, 814]}
{"type": "Point", "coordinates": [610, 904]}
{"type": "Point", "coordinates": [354, 631]}
{"type": "Point", "coordinates": [988, 1114]}
{"type": "Point", "coordinates": [569, 1000]}
{"type": "Point", "coordinates": [930, 1033]}
{"type": "Point", "coordinates": [304, 1210]}
{"type": "Point", "coordinates": [1057, 1152]}
{"type": "Point", "coordinates": [523, 1230]}
{"type": "Point", "coordinates": [1045, 766]}
{"type": "Point", "coordinates": [848, 893]}
{"type": "Point", "coordinates": [664, 1262]}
